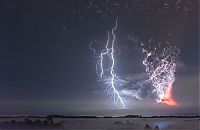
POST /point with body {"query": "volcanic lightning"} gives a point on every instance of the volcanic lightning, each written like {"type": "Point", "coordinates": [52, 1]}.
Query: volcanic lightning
{"type": "Point", "coordinates": [108, 75]}
{"type": "Point", "coordinates": [160, 65]}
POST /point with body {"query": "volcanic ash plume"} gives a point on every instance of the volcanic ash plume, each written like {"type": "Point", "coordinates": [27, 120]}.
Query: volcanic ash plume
{"type": "Point", "coordinates": [160, 64]}
{"type": "Point", "coordinates": [137, 86]}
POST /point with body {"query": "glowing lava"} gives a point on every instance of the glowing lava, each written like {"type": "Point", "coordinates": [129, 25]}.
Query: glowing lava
{"type": "Point", "coordinates": [168, 97]}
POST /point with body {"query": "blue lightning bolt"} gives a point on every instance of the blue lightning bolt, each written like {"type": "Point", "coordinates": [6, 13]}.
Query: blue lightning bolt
{"type": "Point", "coordinates": [100, 69]}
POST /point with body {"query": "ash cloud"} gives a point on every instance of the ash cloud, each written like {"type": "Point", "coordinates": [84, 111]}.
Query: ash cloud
{"type": "Point", "coordinates": [138, 87]}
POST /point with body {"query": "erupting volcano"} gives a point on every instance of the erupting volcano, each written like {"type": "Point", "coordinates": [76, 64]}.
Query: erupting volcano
{"type": "Point", "coordinates": [168, 99]}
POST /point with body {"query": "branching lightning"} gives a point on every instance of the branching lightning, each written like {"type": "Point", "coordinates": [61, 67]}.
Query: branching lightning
{"type": "Point", "coordinates": [108, 75]}
{"type": "Point", "coordinates": [160, 65]}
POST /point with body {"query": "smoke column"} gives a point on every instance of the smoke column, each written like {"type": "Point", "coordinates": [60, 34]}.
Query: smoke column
{"type": "Point", "coordinates": [160, 64]}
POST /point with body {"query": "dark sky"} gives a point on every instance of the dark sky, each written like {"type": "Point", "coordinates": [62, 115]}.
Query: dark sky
{"type": "Point", "coordinates": [47, 67]}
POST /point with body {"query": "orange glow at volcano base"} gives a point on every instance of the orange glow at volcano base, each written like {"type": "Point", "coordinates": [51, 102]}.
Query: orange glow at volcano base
{"type": "Point", "coordinates": [168, 97]}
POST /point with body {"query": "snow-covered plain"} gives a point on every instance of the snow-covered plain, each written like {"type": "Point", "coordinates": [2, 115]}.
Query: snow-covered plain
{"type": "Point", "coordinates": [121, 124]}
{"type": "Point", "coordinates": [131, 124]}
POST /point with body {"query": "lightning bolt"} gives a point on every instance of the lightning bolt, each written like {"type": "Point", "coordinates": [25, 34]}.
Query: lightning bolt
{"type": "Point", "coordinates": [108, 51]}
{"type": "Point", "coordinates": [161, 68]}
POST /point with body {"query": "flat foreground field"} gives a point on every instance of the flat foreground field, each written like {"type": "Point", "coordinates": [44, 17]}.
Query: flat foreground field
{"type": "Point", "coordinates": [101, 124]}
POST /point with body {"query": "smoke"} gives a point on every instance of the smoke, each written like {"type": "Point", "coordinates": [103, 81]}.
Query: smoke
{"type": "Point", "coordinates": [137, 86]}
{"type": "Point", "coordinates": [160, 65]}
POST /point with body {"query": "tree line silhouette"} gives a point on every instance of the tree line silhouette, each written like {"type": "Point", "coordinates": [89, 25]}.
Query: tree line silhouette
{"type": "Point", "coordinates": [47, 122]}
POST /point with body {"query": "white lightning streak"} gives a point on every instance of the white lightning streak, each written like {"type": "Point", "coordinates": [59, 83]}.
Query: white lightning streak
{"type": "Point", "coordinates": [109, 52]}
{"type": "Point", "coordinates": [112, 67]}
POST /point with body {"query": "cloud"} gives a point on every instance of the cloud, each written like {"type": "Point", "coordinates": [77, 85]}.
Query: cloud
{"type": "Point", "coordinates": [138, 87]}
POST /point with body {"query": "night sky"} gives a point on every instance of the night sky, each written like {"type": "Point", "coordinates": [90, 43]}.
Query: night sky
{"type": "Point", "coordinates": [46, 66]}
